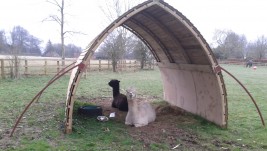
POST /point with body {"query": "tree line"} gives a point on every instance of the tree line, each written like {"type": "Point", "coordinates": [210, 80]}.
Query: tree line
{"type": "Point", "coordinates": [20, 42]}
{"type": "Point", "coordinates": [230, 45]}
{"type": "Point", "coordinates": [120, 44]}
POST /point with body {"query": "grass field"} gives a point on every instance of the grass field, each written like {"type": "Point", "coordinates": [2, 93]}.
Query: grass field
{"type": "Point", "coordinates": [42, 126]}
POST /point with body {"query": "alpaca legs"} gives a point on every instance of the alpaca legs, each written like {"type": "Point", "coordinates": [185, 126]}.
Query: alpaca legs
{"type": "Point", "coordinates": [140, 124]}
{"type": "Point", "coordinates": [123, 106]}
{"type": "Point", "coordinates": [129, 119]}
{"type": "Point", "coordinates": [128, 123]}
{"type": "Point", "coordinates": [114, 104]}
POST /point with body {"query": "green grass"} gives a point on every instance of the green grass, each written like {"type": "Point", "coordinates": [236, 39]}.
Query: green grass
{"type": "Point", "coordinates": [45, 125]}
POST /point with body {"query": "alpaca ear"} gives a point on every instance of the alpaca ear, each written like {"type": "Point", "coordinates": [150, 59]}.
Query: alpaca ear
{"type": "Point", "coordinates": [119, 81]}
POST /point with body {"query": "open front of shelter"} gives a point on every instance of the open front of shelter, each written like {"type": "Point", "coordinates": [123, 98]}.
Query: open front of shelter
{"type": "Point", "coordinates": [185, 60]}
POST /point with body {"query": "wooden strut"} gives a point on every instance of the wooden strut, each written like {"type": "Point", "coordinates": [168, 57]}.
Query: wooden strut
{"type": "Point", "coordinates": [218, 69]}
{"type": "Point", "coordinates": [56, 77]}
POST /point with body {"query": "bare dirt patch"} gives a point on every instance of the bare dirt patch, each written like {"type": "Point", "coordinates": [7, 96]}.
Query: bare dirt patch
{"type": "Point", "coordinates": [162, 131]}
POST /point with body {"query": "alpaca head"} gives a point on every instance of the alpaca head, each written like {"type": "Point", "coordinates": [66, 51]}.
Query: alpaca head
{"type": "Point", "coordinates": [131, 93]}
{"type": "Point", "coordinates": [114, 83]}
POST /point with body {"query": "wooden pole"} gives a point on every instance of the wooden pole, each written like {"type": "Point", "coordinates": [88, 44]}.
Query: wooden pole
{"type": "Point", "coordinates": [3, 69]}
{"type": "Point", "coordinates": [125, 65]}
{"type": "Point", "coordinates": [135, 66]}
{"type": "Point", "coordinates": [99, 69]}
{"type": "Point", "coordinates": [26, 67]}
{"type": "Point", "coordinates": [218, 70]}
{"type": "Point", "coordinates": [39, 94]}
{"type": "Point", "coordinates": [88, 66]}
{"type": "Point", "coordinates": [58, 66]}
{"type": "Point", "coordinates": [85, 70]}
{"type": "Point", "coordinates": [120, 67]}
{"type": "Point", "coordinates": [16, 67]}
{"type": "Point", "coordinates": [45, 67]}
{"type": "Point", "coordinates": [108, 64]}
{"type": "Point", "coordinates": [85, 73]}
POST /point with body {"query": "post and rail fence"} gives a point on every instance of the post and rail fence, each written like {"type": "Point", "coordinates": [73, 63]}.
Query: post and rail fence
{"type": "Point", "coordinates": [29, 67]}
{"type": "Point", "coordinates": [256, 62]}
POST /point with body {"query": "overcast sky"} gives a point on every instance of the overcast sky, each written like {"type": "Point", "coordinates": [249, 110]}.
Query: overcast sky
{"type": "Point", "coordinates": [248, 17]}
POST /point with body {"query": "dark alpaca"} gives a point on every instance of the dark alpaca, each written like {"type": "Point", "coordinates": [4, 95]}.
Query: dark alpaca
{"type": "Point", "coordinates": [249, 63]}
{"type": "Point", "coordinates": [119, 100]}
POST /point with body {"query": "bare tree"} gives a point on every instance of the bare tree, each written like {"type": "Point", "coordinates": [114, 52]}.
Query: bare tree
{"type": "Point", "coordinates": [242, 45]}
{"type": "Point", "coordinates": [3, 43]}
{"type": "Point", "coordinates": [114, 46]}
{"type": "Point", "coordinates": [141, 52]}
{"type": "Point", "coordinates": [258, 49]}
{"type": "Point", "coordinates": [49, 50]}
{"type": "Point", "coordinates": [60, 19]}
{"type": "Point", "coordinates": [230, 44]}
{"type": "Point", "coordinates": [120, 36]}
{"type": "Point", "coordinates": [21, 43]}
{"type": "Point", "coordinates": [73, 51]}
{"type": "Point", "coordinates": [114, 8]}
{"type": "Point", "coordinates": [18, 41]}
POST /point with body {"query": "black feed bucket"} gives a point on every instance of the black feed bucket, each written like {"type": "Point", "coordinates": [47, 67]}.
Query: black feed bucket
{"type": "Point", "coordinates": [90, 111]}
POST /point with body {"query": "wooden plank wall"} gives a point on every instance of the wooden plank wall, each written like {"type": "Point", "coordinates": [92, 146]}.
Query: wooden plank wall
{"type": "Point", "coordinates": [195, 91]}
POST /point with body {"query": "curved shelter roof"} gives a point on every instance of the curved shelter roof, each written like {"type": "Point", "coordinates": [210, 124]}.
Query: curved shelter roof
{"type": "Point", "coordinates": [185, 60]}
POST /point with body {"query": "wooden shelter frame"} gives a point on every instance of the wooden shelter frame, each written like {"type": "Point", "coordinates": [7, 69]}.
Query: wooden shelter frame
{"type": "Point", "coordinates": [184, 58]}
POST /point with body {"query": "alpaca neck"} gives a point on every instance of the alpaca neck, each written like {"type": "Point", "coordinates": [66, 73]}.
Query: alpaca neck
{"type": "Point", "coordinates": [132, 105]}
{"type": "Point", "coordinates": [130, 102]}
{"type": "Point", "coordinates": [116, 91]}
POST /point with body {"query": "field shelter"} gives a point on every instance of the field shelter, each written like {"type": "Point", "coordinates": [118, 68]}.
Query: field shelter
{"type": "Point", "coordinates": [185, 60]}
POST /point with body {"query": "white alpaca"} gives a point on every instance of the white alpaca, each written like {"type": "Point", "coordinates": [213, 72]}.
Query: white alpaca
{"type": "Point", "coordinates": [139, 113]}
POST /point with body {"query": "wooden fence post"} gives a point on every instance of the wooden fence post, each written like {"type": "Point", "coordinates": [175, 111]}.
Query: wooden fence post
{"type": "Point", "coordinates": [45, 67]}
{"type": "Point", "coordinates": [119, 65]}
{"type": "Point", "coordinates": [58, 66]}
{"type": "Point", "coordinates": [26, 67]}
{"type": "Point", "coordinates": [124, 65]}
{"type": "Point", "coordinates": [3, 69]}
{"type": "Point", "coordinates": [89, 65]}
{"type": "Point", "coordinates": [85, 73]}
{"type": "Point", "coordinates": [85, 70]}
{"type": "Point", "coordinates": [135, 66]}
{"type": "Point", "coordinates": [108, 64]}
{"type": "Point", "coordinates": [99, 69]}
